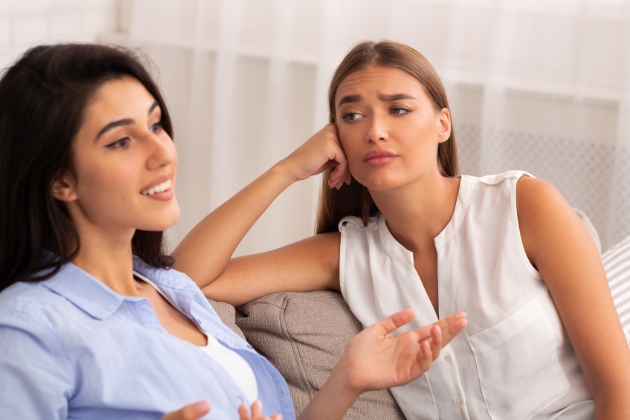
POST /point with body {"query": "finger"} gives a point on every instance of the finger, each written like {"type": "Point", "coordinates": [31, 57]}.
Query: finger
{"type": "Point", "coordinates": [190, 412]}
{"type": "Point", "coordinates": [257, 410]}
{"type": "Point", "coordinates": [425, 357]}
{"type": "Point", "coordinates": [394, 321]}
{"type": "Point", "coordinates": [451, 326]}
{"type": "Point", "coordinates": [242, 412]}
{"type": "Point", "coordinates": [436, 341]}
{"type": "Point", "coordinates": [276, 417]}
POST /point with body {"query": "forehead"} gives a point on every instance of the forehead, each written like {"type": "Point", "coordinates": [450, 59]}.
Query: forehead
{"type": "Point", "coordinates": [379, 80]}
{"type": "Point", "coordinates": [118, 96]}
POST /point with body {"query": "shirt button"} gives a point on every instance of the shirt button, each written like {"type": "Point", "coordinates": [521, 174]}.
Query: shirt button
{"type": "Point", "coordinates": [447, 358]}
{"type": "Point", "coordinates": [458, 401]}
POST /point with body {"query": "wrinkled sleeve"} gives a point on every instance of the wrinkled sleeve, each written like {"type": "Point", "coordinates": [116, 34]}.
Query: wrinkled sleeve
{"type": "Point", "coordinates": [36, 375]}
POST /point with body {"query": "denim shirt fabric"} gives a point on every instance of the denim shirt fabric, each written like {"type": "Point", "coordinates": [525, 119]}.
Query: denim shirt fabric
{"type": "Point", "coordinates": [71, 348]}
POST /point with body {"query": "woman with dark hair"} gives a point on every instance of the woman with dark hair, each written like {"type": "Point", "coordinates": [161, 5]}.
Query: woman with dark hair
{"type": "Point", "coordinates": [94, 322]}
{"type": "Point", "coordinates": [399, 227]}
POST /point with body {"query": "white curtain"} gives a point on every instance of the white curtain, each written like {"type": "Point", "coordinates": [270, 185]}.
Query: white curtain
{"type": "Point", "coordinates": [537, 85]}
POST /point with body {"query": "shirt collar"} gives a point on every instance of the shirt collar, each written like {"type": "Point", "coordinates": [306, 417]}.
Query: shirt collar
{"type": "Point", "coordinates": [86, 292]}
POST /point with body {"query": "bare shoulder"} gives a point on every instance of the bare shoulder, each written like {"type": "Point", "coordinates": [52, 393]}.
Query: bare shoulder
{"type": "Point", "coordinates": [546, 221]}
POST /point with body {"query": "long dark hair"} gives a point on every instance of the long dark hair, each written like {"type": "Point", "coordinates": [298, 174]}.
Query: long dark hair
{"type": "Point", "coordinates": [42, 101]}
{"type": "Point", "coordinates": [355, 199]}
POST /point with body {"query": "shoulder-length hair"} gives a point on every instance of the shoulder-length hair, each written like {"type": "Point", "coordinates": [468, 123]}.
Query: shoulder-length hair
{"type": "Point", "coordinates": [355, 199]}
{"type": "Point", "coordinates": [43, 97]}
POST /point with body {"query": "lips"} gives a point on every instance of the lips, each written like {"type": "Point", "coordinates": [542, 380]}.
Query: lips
{"type": "Point", "coordinates": [379, 157]}
{"type": "Point", "coordinates": [159, 185]}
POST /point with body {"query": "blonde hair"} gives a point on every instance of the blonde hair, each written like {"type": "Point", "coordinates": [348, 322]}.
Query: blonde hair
{"type": "Point", "coordinates": [355, 199]}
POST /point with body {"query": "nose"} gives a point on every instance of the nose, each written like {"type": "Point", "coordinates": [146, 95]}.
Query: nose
{"type": "Point", "coordinates": [377, 130]}
{"type": "Point", "coordinates": [162, 150]}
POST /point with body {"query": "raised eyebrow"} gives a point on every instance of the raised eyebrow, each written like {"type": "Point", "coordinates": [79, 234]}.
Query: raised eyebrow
{"type": "Point", "coordinates": [124, 121]}
{"type": "Point", "coordinates": [395, 97]}
{"type": "Point", "coordinates": [350, 98]}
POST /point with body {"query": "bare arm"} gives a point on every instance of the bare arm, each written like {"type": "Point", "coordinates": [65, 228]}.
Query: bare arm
{"type": "Point", "coordinates": [204, 253]}
{"type": "Point", "coordinates": [559, 246]}
{"type": "Point", "coordinates": [310, 264]}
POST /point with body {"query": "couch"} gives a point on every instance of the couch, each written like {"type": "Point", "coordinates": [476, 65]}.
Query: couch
{"type": "Point", "coordinates": [304, 334]}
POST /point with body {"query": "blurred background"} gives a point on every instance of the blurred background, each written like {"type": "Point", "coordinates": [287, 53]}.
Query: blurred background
{"type": "Point", "coordinates": [537, 85]}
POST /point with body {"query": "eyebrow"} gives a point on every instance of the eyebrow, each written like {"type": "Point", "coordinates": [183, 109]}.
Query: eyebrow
{"type": "Point", "coordinates": [386, 98]}
{"type": "Point", "coordinates": [124, 121]}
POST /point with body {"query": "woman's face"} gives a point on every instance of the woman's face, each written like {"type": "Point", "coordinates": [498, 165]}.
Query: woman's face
{"type": "Point", "coordinates": [388, 127]}
{"type": "Point", "coordinates": [124, 163]}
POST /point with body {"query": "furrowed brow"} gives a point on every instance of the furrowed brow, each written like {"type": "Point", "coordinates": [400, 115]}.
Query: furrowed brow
{"type": "Point", "coordinates": [395, 97]}
{"type": "Point", "coordinates": [349, 99]}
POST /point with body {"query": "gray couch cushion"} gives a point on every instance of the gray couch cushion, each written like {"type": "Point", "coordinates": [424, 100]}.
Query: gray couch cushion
{"type": "Point", "coordinates": [227, 313]}
{"type": "Point", "coordinates": [617, 264]}
{"type": "Point", "coordinates": [303, 335]}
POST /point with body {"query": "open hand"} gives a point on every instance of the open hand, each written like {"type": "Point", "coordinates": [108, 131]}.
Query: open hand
{"type": "Point", "coordinates": [374, 360]}
{"type": "Point", "coordinates": [320, 152]}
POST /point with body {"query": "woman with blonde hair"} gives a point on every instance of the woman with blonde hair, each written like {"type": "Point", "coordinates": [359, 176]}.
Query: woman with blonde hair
{"type": "Point", "coordinates": [399, 227]}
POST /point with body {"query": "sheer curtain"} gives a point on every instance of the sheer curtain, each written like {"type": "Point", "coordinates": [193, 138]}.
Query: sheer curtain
{"type": "Point", "coordinates": [537, 85]}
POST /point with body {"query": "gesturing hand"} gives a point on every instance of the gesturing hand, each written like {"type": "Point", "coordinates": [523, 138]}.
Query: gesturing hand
{"type": "Point", "coordinates": [317, 154]}
{"type": "Point", "coordinates": [374, 360]}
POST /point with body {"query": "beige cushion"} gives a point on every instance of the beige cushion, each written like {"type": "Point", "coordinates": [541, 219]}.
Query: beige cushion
{"type": "Point", "coordinates": [303, 335]}
{"type": "Point", "coordinates": [227, 313]}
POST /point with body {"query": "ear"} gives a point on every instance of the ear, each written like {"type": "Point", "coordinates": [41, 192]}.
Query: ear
{"type": "Point", "coordinates": [63, 188]}
{"type": "Point", "coordinates": [444, 125]}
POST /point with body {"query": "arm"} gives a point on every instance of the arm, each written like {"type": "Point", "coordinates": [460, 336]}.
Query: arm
{"type": "Point", "coordinates": [219, 233]}
{"type": "Point", "coordinates": [376, 360]}
{"type": "Point", "coordinates": [559, 246]}
{"type": "Point", "coordinates": [37, 379]}
{"type": "Point", "coordinates": [310, 264]}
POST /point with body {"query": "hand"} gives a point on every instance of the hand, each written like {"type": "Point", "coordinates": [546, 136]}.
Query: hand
{"type": "Point", "coordinates": [190, 412]}
{"type": "Point", "coordinates": [320, 152]}
{"type": "Point", "coordinates": [374, 360]}
{"type": "Point", "coordinates": [256, 413]}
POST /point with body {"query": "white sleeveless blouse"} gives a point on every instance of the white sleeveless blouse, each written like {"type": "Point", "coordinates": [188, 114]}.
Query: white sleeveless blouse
{"type": "Point", "coordinates": [514, 360]}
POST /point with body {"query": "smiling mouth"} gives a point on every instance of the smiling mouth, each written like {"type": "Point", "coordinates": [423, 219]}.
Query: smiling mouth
{"type": "Point", "coordinates": [158, 188]}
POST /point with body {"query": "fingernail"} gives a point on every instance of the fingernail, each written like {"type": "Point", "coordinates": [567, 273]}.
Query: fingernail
{"type": "Point", "coordinates": [258, 405]}
{"type": "Point", "coordinates": [201, 407]}
{"type": "Point", "coordinates": [439, 330]}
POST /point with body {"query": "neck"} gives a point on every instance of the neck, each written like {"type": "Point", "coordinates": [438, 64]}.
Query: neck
{"type": "Point", "coordinates": [416, 213]}
{"type": "Point", "coordinates": [107, 256]}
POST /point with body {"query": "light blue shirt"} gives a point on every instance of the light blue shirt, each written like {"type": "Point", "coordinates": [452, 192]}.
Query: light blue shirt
{"type": "Point", "coordinates": [71, 348]}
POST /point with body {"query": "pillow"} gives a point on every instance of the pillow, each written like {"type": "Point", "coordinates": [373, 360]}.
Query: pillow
{"type": "Point", "coordinates": [303, 335]}
{"type": "Point", "coordinates": [227, 314]}
{"type": "Point", "coordinates": [617, 264]}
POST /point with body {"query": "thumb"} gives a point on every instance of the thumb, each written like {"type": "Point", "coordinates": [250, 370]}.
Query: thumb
{"type": "Point", "coordinates": [190, 412]}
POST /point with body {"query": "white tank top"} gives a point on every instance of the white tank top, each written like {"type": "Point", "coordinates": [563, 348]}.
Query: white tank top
{"type": "Point", "coordinates": [513, 360]}
{"type": "Point", "coordinates": [234, 365]}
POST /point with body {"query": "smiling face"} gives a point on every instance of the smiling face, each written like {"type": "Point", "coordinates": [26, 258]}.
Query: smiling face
{"type": "Point", "coordinates": [389, 128]}
{"type": "Point", "coordinates": [124, 163]}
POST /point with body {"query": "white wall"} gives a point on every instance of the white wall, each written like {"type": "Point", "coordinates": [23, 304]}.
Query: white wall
{"type": "Point", "coordinates": [26, 23]}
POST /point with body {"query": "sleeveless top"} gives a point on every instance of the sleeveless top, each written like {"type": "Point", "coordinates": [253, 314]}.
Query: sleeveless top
{"type": "Point", "coordinates": [513, 360]}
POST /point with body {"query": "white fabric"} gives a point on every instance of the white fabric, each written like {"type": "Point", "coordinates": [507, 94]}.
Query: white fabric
{"type": "Point", "coordinates": [513, 360]}
{"type": "Point", "coordinates": [238, 369]}
{"type": "Point", "coordinates": [538, 85]}
{"type": "Point", "coordinates": [235, 366]}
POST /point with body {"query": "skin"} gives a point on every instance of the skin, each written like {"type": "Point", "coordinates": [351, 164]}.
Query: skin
{"type": "Point", "coordinates": [417, 203]}
{"type": "Point", "coordinates": [120, 153]}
